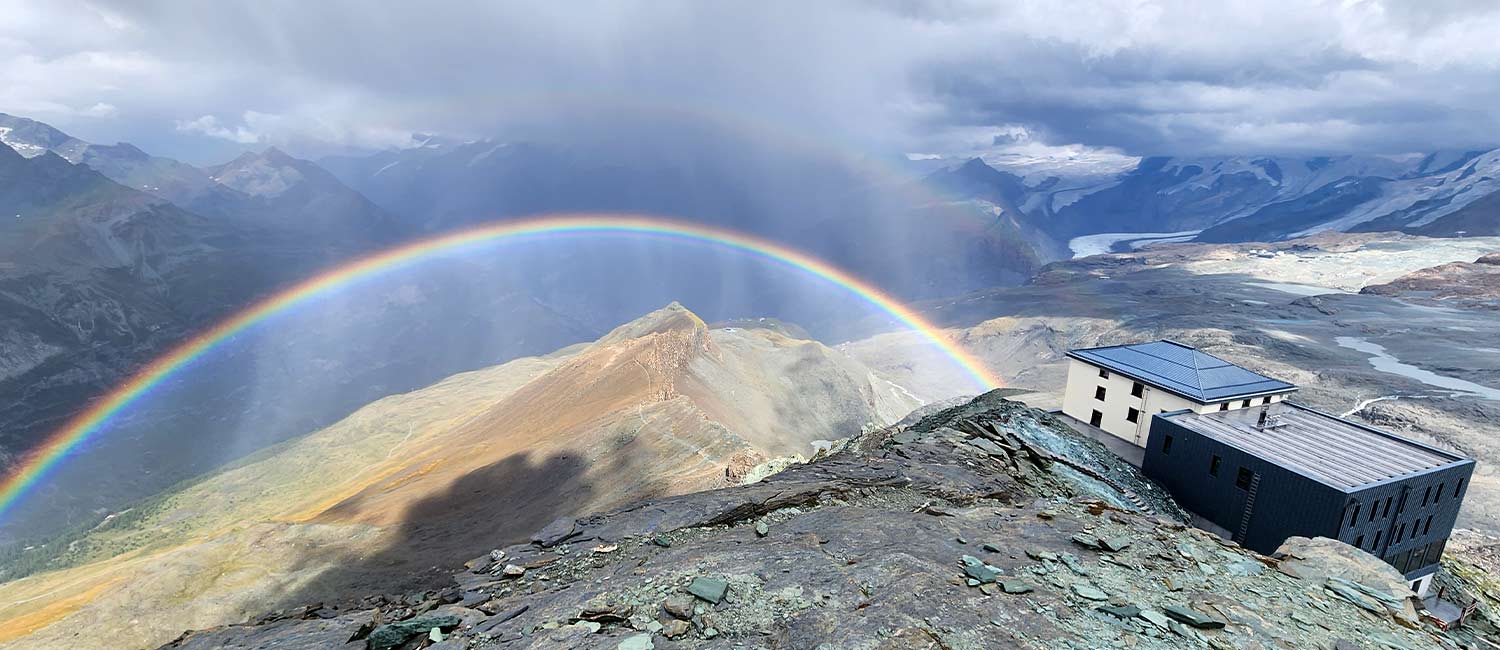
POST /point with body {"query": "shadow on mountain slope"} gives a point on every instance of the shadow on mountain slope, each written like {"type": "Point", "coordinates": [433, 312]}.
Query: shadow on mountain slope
{"type": "Point", "coordinates": [496, 505]}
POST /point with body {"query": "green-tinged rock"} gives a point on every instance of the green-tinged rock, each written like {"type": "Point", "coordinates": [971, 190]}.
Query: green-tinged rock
{"type": "Point", "coordinates": [392, 635]}
{"type": "Point", "coordinates": [1015, 587]}
{"type": "Point", "coordinates": [762, 529]}
{"type": "Point", "coordinates": [1245, 568]}
{"type": "Point", "coordinates": [1115, 544]}
{"type": "Point", "coordinates": [1040, 555]}
{"type": "Point", "coordinates": [435, 635]}
{"type": "Point", "coordinates": [1087, 541]}
{"type": "Point", "coordinates": [709, 589]}
{"type": "Point", "coordinates": [661, 541]}
{"type": "Point", "coordinates": [990, 547]}
{"type": "Point", "coordinates": [1090, 593]}
{"type": "Point", "coordinates": [1354, 596]}
{"type": "Point", "coordinates": [1121, 611]}
{"type": "Point", "coordinates": [978, 570]}
{"type": "Point", "coordinates": [1193, 617]}
{"type": "Point", "coordinates": [1071, 561]}
{"type": "Point", "coordinates": [637, 642]}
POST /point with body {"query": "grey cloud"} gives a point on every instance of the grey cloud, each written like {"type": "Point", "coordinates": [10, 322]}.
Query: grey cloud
{"type": "Point", "coordinates": [1147, 77]}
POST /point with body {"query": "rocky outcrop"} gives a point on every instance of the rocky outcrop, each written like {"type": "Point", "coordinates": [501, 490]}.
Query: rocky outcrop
{"type": "Point", "coordinates": [1461, 284]}
{"type": "Point", "coordinates": [964, 530]}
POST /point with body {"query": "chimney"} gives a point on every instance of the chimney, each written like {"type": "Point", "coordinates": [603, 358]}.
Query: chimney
{"type": "Point", "coordinates": [1265, 417]}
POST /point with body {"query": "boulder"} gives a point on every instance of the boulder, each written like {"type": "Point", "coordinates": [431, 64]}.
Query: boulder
{"type": "Point", "coordinates": [392, 635]}
{"type": "Point", "coordinates": [712, 590]}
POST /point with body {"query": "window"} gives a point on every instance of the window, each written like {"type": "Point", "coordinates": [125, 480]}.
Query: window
{"type": "Point", "coordinates": [1359, 542]}
{"type": "Point", "coordinates": [1103, 374]}
{"type": "Point", "coordinates": [1458, 490]}
{"type": "Point", "coordinates": [1243, 479]}
{"type": "Point", "coordinates": [1246, 404]}
{"type": "Point", "coordinates": [1374, 510]}
{"type": "Point", "coordinates": [1426, 494]}
{"type": "Point", "coordinates": [1213, 466]}
{"type": "Point", "coordinates": [1099, 393]}
{"type": "Point", "coordinates": [1438, 496]}
{"type": "Point", "coordinates": [1224, 406]}
{"type": "Point", "coordinates": [1166, 447]}
{"type": "Point", "coordinates": [1387, 511]}
{"type": "Point", "coordinates": [1132, 415]}
{"type": "Point", "coordinates": [1427, 527]}
{"type": "Point", "coordinates": [1376, 545]}
{"type": "Point", "coordinates": [1265, 400]}
{"type": "Point", "coordinates": [1400, 534]}
{"type": "Point", "coordinates": [1096, 419]}
{"type": "Point", "coordinates": [1136, 389]}
{"type": "Point", "coordinates": [1435, 551]}
{"type": "Point", "coordinates": [1354, 519]}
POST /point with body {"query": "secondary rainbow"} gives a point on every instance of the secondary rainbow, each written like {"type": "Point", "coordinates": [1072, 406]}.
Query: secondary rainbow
{"type": "Point", "coordinates": [84, 425]}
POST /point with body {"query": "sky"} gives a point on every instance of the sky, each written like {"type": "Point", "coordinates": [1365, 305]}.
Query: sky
{"type": "Point", "coordinates": [1079, 79]}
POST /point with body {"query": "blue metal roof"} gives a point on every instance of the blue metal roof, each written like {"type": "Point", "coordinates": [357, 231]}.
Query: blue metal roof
{"type": "Point", "coordinates": [1183, 370]}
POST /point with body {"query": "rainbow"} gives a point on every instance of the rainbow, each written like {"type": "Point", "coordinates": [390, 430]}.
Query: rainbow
{"type": "Point", "coordinates": [81, 427]}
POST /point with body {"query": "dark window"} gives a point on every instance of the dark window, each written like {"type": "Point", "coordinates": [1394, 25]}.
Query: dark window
{"type": "Point", "coordinates": [1427, 527]}
{"type": "Point", "coordinates": [1103, 374]}
{"type": "Point", "coordinates": [1099, 393]}
{"type": "Point", "coordinates": [1376, 545]}
{"type": "Point", "coordinates": [1166, 444]}
{"type": "Point", "coordinates": [1096, 419]}
{"type": "Point", "coordinates": [1359, 542]}
{"type": "Point", "coordinates": [1132, 415]}
{"type": "Point", "coordinates": [1213, 466]}
{"type": "Point", "coordinates": [1458, 490]}
{"type": "Point", "coordinates": [1426, 494]}
{"type": "Point", "coordinates": [1435, 551]}
{"type": "Point", "coordinates": [1374, 510]}
{"type": "Point", "coordinates": [1137, 389]}
{"type": "Point", "coordinates": [1438, 496]}
{"type": "Point", "coordinates": [1246, 404]}
{"type": "Point", "coordinates": [1224, 406]}
{"type": "Point", "coordinates": [1387, 511]}
{"type": "Point", "coordinates": [1242, 480]}
{"type": "Point", "coordinates": [1400, 534]}
{"type": "Point", "coordinates": [1355, 518]}
{"type": "Point", "coordinates": [1265, 400]}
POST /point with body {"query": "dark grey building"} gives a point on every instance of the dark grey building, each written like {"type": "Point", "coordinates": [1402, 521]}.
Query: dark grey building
{"type": "Point", "coordinates": [1268, 473]}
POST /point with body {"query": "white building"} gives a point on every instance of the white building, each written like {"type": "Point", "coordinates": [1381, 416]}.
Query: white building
{"type": "Point", "coordinates": [1118, 388]}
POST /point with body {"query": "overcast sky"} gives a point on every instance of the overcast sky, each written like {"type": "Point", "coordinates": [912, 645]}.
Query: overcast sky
{"type": "Point", "coordinates": [202, 80]}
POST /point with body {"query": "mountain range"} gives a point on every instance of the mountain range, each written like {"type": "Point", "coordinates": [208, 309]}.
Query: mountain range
{"type": "Point", "coordinates": [112, 254]}
{"type": "Point", "coordinates": [1246, 198]}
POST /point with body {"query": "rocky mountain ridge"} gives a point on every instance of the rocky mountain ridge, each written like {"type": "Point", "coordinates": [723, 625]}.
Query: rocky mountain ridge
{"type": "Point", "coordinates": [984, 525]}
{"type": "Point", "coordinates": [661, 406]}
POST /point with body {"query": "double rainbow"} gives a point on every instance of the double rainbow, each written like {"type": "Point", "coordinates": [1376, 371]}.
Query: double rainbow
{"type": "Point", "coordinates": [83, 426]}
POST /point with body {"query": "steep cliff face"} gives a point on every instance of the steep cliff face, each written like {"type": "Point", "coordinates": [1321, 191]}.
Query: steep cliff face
{"type": "Point", "coordinates": [967, 529]}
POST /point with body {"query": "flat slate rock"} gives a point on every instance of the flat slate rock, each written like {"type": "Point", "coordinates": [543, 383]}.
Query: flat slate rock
{"type": "Point", "coordinates": [709, 589]}
{"type": "Point", "coordinates": [1193, 617]}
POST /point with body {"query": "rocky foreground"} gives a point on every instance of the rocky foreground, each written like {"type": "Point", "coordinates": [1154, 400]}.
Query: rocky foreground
{"type": "Point", "coordinates": [984, 525]}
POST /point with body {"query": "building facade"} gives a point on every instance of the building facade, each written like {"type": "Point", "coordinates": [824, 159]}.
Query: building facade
{"type": "Point", "coordinates": [1119, 388]}
{"type": "Point", "coordinates": [1279, 470]}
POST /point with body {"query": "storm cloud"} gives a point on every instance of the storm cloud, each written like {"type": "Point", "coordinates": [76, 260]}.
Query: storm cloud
{"type": "Point", "coordinates": [205, 80]}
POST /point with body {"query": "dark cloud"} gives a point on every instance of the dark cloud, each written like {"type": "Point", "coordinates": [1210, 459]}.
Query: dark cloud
{"type": "Point", "coordinates": [1171, 76]}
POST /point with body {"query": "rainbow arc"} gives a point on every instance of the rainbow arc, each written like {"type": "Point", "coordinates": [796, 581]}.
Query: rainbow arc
{"type": "Point", "coordinates": [78, 430]}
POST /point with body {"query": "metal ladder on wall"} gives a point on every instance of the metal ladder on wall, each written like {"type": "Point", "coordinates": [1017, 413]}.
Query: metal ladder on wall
{"type": "Point", "coordinates": [1249, 508]}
